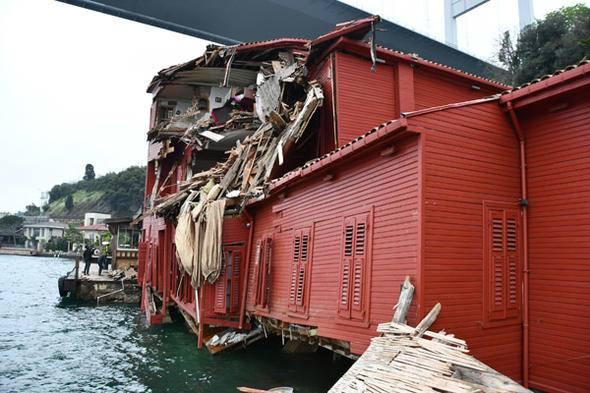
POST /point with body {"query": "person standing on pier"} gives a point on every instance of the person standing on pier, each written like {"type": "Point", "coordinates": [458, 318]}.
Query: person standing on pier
{"type": "Point", "coordinates": [87, 259]}
{"type": "Point", "coordinates": [102, 262]}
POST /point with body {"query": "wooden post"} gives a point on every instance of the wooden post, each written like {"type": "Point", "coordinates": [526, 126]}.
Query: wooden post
{"type": "Point", "coordinates": [77, 269]}
{"type": "Point", "coordinates": [427, 321]}
{"type": "Point", "coordinates": [405, 299]}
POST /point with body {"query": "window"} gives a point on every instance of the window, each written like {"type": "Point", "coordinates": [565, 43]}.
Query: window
{"type": "Point", "coordinates": [227, 286]}
{"type": "Point", "coordinates": [353, 294]}
{"type": "Point", "coordinates": [300, 271]}
{"type": "Point", "coordinates": [127, 239]}
{"type": "Point", "coordinates": [262, 270]}
{"type": "Point", "coordinates": [502, 263]}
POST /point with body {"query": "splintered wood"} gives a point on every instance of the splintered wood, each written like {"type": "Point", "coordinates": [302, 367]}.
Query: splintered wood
{"type": "Point", "coordinates": [411, 360]}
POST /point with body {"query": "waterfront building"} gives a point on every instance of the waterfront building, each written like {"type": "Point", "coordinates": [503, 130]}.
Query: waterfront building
{"type": "Point", "coordinates": [38, 234]}
{"type": "Point", "coordinates": [124, 243]}
{"type": "Point", "coordinates": [477, 192]}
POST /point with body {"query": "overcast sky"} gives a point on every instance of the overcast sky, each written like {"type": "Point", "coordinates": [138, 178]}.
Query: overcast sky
{"type": "Point", "coordinates": [72, 83]}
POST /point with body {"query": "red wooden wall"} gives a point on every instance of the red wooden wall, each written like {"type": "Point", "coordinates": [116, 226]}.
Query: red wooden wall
{"type": "Point", "coordinates": [364, 99]}
{"type": "Point", "coordinates": [470, 161]}
{"type": "Point", "coordinates": [381, 189]}
{"type": "Point", "coordinates": [558, 158]}
{"type": "Point", "coordinates": [433, 88]}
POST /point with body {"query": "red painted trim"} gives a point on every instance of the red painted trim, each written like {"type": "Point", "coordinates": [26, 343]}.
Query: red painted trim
{"type": "Point", "coordinates": [566, 77]}
{"type": "Point", "coordinates": [419, 282]}
{"type": "Point", "coordinates": [450, 106]}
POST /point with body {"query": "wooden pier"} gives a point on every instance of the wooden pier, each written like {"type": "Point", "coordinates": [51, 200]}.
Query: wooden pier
{"type": "Point", "coordinates": [111, 286]}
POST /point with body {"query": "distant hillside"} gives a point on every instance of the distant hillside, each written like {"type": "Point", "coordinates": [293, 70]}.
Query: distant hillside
{"type": "Point", "coordinates": [119, 194]}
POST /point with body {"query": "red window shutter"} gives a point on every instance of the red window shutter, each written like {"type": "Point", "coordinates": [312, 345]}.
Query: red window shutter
{"type": "Point", "coordinates": [512, 262]}
{"type": "Point", "coordinates": [358, 271]}
{"type": "Point", "coordinates": [498, 276]}
{"type": "Point", "coordinates": [220, 305]}
{"type": "Point", "coordinates": [267, 270]}
{"type": "Point", "coordinates": [344, 308]}
{"type": "Point", "coordinates": [236, 259]}
{"type": "Point", "coordinates": [294, 271]}
{"type": "Point", "coordinates": [503, 263]}
{"type": "Point", "coordinates": [142, 250]}
{"type": "Point", "coordinates": [301, 271]}
{"type": "Point", "coordinates": [258, 271]}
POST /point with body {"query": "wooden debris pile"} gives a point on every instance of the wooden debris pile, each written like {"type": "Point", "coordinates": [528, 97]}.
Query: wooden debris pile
{"type": "Point", "coordinates": [251, 162]}
{"type": "Point", "coordinates": [263, 105]}
{"type": "Point", "coordinates": [232, 338]}
{"type": "Point", "coordinates": [407, 359]}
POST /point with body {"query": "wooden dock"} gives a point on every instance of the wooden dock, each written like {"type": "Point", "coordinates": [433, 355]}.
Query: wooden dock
{"type": "Point", "coordinates": [111, 286]}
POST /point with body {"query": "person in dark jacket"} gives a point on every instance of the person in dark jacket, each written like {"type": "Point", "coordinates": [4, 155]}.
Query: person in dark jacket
{"type": "Point", "coordinates": [87, 259]}
{"type": "Point", "coordinates": [102, 262]}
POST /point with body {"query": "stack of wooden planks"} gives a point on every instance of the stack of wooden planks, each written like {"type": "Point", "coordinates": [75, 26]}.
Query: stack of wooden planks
{"type": "Point", "coordinates": [405, 359]}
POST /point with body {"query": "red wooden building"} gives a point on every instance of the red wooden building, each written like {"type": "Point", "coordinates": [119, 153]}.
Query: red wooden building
{"type": "Point", "coordinates": [413, 169]}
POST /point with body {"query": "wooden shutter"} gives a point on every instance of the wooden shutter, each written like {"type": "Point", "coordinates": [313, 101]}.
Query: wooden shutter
{"type": "Point", "coordinates": [512, 264]}
{"type": "Point", "coordinates": [358, 270]}
{"type": "Point", "coordinates": [502, 263]}
{"type": "Point", "coordinates": [353, 267]}
{"type": "Point", "coordinates": [258, 271]}
{"type": "Point", "coordinates": [302, 268]}
{"type": "Point", "coordinates": [219, 305]}
{"type": "Point", "coordinates": [294, 271]}
{"type": "Point", "coordinates": [497, 297]}
{"type": "Point", "coordinates": [346, 266]}
{"type": "Point", "coordinates": [236, 258]}
{"type": "Point", "coordinates": [265, 301]}
{"type": "Point", "coordinates": [142, 250]}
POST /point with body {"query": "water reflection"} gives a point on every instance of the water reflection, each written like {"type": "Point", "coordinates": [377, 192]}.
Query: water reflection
{"type": "Point", "coordinates": [50, 345]}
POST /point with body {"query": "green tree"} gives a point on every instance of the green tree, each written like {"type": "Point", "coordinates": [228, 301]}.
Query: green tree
{"type": "Point", "coordinates": [559, 40]}
{"type": "Point", "coordinates": [72, 235]}
{"type": "Point", "coordinates": [89, 172]}
{"type": "Point", "coordinates": [11, 221]}
{"type": "Point", "coordinates": [69, 202]}
{"type": "Point", "coordinates": [32, 210]}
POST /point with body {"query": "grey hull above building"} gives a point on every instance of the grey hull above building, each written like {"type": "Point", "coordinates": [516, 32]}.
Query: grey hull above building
{"type": "Point", "coordinates": [234, 21]}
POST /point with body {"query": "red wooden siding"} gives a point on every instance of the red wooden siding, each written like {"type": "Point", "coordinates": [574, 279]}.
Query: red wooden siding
{"type": "Point", "coordinates": [558, 158]}
{"type": "Point", "coordinates": [432, 88]}
{"type": "Point", "coordinates": [470, 159]}
{"type": "Point", "coordinates": [386, 184]}
{"type": "Point", "coordinates": [325, 76]}
{"type": "Point", "coordinates": [364, 99]}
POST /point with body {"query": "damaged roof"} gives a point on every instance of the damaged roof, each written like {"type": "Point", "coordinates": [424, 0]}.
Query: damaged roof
{"type": "Point", "coordinates": [306, 52]}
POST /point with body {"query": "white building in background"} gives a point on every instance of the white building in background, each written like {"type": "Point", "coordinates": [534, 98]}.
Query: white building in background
{"type": "Point", "coordinates": [95, 218]}
{"type": "Point", "coordinates": [40, 233]}
{"type": "Point", "coordinates": [92, 233]}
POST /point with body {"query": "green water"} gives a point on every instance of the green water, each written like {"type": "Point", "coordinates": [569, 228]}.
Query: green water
{"type": "Point", "coordinates": [47, 345]}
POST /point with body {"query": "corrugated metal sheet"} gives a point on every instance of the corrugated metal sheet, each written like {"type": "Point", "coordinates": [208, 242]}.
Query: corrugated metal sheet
{"type": "Point", "coordinates": [470, 156]}
{"type": "Point", "coordinates": [364, 98]}
{"type": "Point", "coordinates": [388, 184]}
{"type": "Point", "coordinates": [558, 158]}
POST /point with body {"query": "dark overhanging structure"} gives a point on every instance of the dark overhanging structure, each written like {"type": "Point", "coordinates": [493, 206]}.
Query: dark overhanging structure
{"type": "Point", "coordinates": [233, 21]}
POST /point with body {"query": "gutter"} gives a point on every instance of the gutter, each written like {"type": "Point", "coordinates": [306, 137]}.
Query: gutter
{"type": "Point", "coordinates": [524, 205]}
